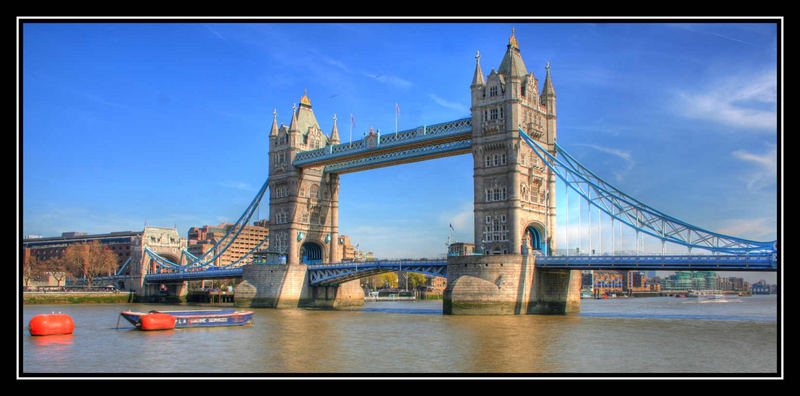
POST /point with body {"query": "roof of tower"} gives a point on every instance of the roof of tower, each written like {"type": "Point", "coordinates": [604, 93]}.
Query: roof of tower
{"type": "Point", "coordinates": [303, 118]}
{"type": "Point", "coordinates": [304, 100]}
{"type": "Point", "coordinates": [477, 79]}
{"type": "Point", "coordinates": [274, 130]}
{"type": "Point", "coordinates": [335, 133]}
{"type": "Point", "coordinates": [512, 64]}
{"type": "Point", "coordinates": [548, 89]}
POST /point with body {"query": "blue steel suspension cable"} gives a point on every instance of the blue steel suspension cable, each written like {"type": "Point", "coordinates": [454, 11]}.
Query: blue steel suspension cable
{"type": "Point", "coordinates": [602, 186]}
{"type": "Point", "coordinates": [238, 226]}
{"type": "Point", "coordinates": [248, 253]}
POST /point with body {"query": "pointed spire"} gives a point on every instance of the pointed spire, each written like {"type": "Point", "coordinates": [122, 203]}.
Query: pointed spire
{"type": "Point", "coordinates": [477, 79]}
{"type": "Point", "coordinates": [293, 124]}
{"type": "Point", "coordinates": [304, 100]}
{"type": "Point", "coordinates": [274, 130]}
{"type": "Point", "coordinates": [548, 90]}
{"type": "Point", "coordinates": [512, 64]}
{"type": "Point", "coordinates": [335, 133]}
{"type": "Point", "coordinates": [512, 41]}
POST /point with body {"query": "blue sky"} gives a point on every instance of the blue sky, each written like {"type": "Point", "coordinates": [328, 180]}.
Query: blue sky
{"type": "Point", "coordinates": [166, 123]}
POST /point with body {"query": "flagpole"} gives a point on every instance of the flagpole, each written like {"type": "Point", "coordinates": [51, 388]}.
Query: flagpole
{"type": "Point", "coordinates": [397, 110]}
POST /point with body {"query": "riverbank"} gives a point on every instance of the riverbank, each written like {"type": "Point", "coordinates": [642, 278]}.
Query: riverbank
{"type": "Point", "coordinates": [77, 297]}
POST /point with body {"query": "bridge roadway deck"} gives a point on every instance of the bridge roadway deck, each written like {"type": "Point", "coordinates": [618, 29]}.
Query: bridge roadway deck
{"type": "Point", "coordinates": [321, 274]}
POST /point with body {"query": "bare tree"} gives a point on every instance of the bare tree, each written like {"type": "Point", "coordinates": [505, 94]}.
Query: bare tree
{"type": "Point", "coordinates": [31, 269]}
{"type": "Point", "coordinates": [90, 260]}
{"type": "Point", "coordinates": [57, 269]}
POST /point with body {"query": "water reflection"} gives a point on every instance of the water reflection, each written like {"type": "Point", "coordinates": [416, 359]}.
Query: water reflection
{"type": "Point", "coordinates": [406, 338]}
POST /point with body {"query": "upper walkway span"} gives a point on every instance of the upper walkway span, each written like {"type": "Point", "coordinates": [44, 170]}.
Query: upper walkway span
{"type": "Point", "coordinates": [378, 150]}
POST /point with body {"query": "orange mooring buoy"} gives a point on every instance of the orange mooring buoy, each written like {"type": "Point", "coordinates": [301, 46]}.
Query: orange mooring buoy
{"type": "Point", "coordinates": [156, 321]}
{"type": "Point", "coordinates": [52, 324]}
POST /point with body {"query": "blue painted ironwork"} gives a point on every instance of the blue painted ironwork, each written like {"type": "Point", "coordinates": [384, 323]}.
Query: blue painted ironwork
{"type": "Point", "coordinates": [233, 232]}
{"type": "Point", "coordinates": [334, 274]}
{"type": "Point", "coordinates": [723, 262]}
{"type": "Point", "coordinates": [400, 142]}
{"type": "Point", "coordinates": [236, 229]}
{"type": "Point", "coordinates": [377, 160]}
{"type": "Point", "coordinates": [169, 277]}
{"type": "Point", "coordinates": [428, 142]}
{"type": "Point", "coordinates": [635, 214]}
{"type": "Point", "coordinates": [119, 271]}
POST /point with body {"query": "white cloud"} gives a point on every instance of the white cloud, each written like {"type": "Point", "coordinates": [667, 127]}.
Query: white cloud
{"type": "Point", "coordinates": [237, 185]}
{"type": "Point", "coordinates": [737, 102]}
{"type": "Point", "coordinates": [624, 155]}
{"type": "Point", "coordinates": [758, 229]}
{"type": "Point", "coordinates": [448, 104]}
{"type": "Point", "coordinates": [765, 168]}
{"type": "Point", "coordinates": [389, 80]}
{"type": "Point", "coordinates": [462, 220]}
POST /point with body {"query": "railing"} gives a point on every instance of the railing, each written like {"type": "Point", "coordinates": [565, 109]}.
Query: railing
{"type": "Point", "coordinates": [193, 275]}
{"type": "Point", "coordinates": [385, 141]}
{"type": "Point", "coordinates": [398, 156]}
{"type": "Point", "coordinates": [753, 262]}
{"type": "Point", "coordinates": [336, 273]}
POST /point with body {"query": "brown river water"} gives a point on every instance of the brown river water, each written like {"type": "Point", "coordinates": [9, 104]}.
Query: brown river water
{"type": "Point", "coordinates": [651, 337]}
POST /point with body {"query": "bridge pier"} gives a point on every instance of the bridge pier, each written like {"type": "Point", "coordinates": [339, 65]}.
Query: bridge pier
{"type": "Point", "coordinates": [508, 284]}
{"type": "Point", "coordinates": [287, 286]}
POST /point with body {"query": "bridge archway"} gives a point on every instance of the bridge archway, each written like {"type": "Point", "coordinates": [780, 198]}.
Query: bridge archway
{"type": "Point", "coordinates": [310, 252]}
{"type": "Point", "coordinates": [534, 239]}
{"type": "Point", "coordinates": [153, 265]}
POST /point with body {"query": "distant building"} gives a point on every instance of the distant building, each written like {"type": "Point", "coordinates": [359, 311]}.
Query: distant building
{"type": "Point", "coordinates": [734, 284]}
{"type": "Point", "coordinates": [636, 281]}
{"type": "Point", "coordinates": [761, 287]}
{"type": "Point", "coordinates": [122, 243]}
{"type": "Point", "coordinates": [460, 249]}
{"type": "Point", "coordinates": [203, 239]}
{"type": "Point", "coordinates": [348, 251]}
{"type": "Point", "coordinates": [693, 280]}
{"type": "Point", "coordinates": [607, 282]}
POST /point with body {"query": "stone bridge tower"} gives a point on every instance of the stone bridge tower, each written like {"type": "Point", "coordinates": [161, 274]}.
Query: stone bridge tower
{"type": "Point", "coordinates": [304, 203]}
{"type": "Point", "coordinates": [514, 191]}
{"type": "Point", "coordinates": [304, 223]}
{"type": "Point", "coordinates": [514, 200]}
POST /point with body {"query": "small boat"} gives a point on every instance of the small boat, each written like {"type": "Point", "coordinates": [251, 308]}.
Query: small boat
{"type": "Point", "coordinates": [205, 318]}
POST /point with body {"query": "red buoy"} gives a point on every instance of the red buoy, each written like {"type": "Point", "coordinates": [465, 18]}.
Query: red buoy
{"type": "Point", "coordinates": [156, 321]}
{"type": "Point", "coordinates": [52, 324]}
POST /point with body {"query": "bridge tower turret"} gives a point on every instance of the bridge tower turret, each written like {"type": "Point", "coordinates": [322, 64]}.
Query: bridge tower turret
{"type": "Point", "coordinates": [303, 202]}
{"type": "Point", "coordinates": [514, 202]}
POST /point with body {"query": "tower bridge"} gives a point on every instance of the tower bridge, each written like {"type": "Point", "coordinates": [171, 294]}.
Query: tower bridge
{"type": "Point", "coordinates": [511, 134]}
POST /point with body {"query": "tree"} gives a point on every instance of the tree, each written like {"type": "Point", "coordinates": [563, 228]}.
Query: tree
{"type": "Point", "coordinates": [415, 280]}
{"type": "Point", "coordinates": [90, 260]}
{"type": "Point", "coordinates": [57, 269]}
{"type": "Point", "coordinates": [386, 280]}
{"type": "Point", "coordinates": [31, 269]}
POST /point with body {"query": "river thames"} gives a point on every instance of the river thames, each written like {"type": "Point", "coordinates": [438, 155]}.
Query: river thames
{"type": "Point", "coordinates": [651, 337]}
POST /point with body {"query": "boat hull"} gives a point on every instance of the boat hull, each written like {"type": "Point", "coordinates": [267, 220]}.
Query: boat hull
{"type": "Point", "coordinates": [186, 319]}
